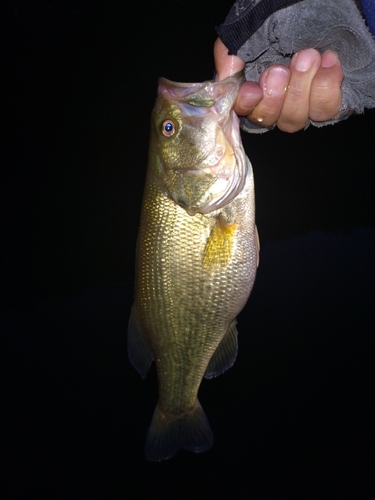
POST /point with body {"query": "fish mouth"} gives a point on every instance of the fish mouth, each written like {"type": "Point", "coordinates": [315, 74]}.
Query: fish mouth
{"type": "Point", "coordinates": [222, 157]}
{"type": "Point", "coordinates": [216, 175]}
{"type": "Point", "coordinates": [221, 175]}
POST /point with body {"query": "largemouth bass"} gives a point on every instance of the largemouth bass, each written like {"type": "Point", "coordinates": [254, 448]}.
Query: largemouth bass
{"type": "Point", "coordinates": [196, 258]}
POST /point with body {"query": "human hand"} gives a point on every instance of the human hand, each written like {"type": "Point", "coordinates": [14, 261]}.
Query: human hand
{"type": "Point", "coordinates": [310, 89]}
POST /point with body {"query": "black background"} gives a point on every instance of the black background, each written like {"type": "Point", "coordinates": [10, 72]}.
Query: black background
{"type": "Point", "coordinates": [293, 416]}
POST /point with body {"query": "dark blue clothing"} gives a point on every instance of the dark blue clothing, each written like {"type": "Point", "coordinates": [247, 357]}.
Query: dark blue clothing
{"type": "Point", "coordinates": [368, 7]}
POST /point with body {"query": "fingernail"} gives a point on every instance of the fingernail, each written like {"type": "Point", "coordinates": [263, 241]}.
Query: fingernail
{"type": "Point", "coordinates": [329, 59]}
{"type": "Point", "coordinates": [305, 59]}
{"type": "Point", "coordinates": [276, 81]}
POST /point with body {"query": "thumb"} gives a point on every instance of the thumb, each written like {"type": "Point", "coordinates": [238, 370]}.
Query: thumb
{"type": "Point", "coordinates": [225, 64]}
{"type": "Point", "coordinates": [250, 94]}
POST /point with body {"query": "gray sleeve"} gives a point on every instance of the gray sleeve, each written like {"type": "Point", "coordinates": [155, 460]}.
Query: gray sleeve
{"type": "Point", "coordinates": [321, 24]}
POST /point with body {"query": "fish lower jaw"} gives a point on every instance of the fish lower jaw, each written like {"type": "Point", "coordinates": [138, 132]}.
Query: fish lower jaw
{"type": "Point", "coordinates": [221, 163]}
{"type": "Point", "coordinates": [221, 192]}
{"type": "Point", "coordinates": [204, 168]}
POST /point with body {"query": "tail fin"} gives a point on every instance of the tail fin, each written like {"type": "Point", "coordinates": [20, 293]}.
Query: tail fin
{"type": "Point", "coordinates": [167, 434]}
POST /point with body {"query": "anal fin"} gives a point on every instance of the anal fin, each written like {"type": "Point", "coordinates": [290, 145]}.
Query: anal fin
{"type": "Point", "coordinates": [225, 354]}
{"type": "Point", "coordinates": [139, 353]}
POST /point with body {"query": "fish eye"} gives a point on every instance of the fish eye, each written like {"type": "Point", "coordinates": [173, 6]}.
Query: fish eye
{"type": "Point", "coordinates": [168, 128]}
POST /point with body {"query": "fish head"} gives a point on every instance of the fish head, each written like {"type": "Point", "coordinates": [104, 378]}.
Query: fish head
{"type": "Point", "coordinates": [196, 144]}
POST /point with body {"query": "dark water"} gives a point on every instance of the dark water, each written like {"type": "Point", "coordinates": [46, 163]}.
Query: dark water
{"type": "Point", "coordinates": [294, 414]}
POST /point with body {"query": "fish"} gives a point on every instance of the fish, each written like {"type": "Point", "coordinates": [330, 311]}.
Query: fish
{"type": "Point", "coordinates": [197, 256]}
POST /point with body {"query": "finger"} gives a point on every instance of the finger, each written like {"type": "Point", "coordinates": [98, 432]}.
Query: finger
{"type": "Point", "coordinates": [295, 111]}
{"type": "Point", "coordinates": [273, 82]}
{"type": "Point", "coordinates": [326, 94]}
{"type": "Point", "coordinates": [249, 95]}
{"type": "Point", "coordinates": [225, 64]}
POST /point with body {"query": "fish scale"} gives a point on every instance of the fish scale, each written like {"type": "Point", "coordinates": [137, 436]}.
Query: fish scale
{"type": "Point", "coordinates": [196, 261]}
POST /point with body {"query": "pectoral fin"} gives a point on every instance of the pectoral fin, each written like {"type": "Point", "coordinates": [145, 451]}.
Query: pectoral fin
{"type": "Point", "coordinates": [225, 354]}
{"type": "Point", "coordinates": [219, 246]}
{"type": "Point", "coordinates": [139, 353]}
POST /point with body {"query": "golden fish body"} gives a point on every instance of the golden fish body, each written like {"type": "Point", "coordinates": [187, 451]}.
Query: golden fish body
{"type": "Point", "coordinates": [197, 256]}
